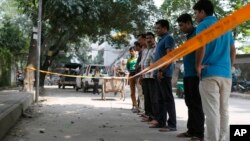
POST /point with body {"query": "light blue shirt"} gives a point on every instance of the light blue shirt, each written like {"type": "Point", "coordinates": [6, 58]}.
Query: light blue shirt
{"type": "Point", "coordinates": [217, 53]}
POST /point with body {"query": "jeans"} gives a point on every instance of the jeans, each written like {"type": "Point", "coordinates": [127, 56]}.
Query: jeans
{"type": "Point", "coordinates": [196, 119]}
{"type": "Point", "coordinates": [166, 103]}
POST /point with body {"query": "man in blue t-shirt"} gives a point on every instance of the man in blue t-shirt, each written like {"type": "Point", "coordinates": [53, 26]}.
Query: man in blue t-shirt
{"type": "Point", "coordinates": [213, 65]}
{"type": "Point", "coordinates": [165, 44]}
{"type": "Point", "coordinates": [195, 122]}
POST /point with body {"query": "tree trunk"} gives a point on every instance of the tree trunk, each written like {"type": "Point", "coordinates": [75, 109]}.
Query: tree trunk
{"type": "Point", "coordinates": [31, 63]}
{"type": "Point", "coordinates": [45, 67]}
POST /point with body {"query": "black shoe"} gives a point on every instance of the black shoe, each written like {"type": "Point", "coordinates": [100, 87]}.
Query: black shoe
{"type": "Point", "coordinates": [167, 129]}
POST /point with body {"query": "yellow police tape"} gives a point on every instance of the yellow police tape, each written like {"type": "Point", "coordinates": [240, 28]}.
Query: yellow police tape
{"type": "Point", "coordinates": [225, 24]}
{"type": "Point", "coordinates": [79, 76]}
{"type": "Point", "coordinates": [206, 36]}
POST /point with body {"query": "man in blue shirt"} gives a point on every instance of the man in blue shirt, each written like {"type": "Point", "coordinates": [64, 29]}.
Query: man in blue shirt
{"type": "Point", "coordinates": [213, 65]}
{"type": "Point", "coordinates": [165, 44]}
{"type": "Point", "coordinates": [195, 122]}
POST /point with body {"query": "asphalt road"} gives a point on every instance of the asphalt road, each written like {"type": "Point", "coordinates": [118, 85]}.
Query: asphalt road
{"type": "Point", "coordinates": [67, 115]}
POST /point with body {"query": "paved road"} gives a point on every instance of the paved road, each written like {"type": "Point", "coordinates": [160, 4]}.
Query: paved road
{"type": "Point", "coordinates": [67, 115]}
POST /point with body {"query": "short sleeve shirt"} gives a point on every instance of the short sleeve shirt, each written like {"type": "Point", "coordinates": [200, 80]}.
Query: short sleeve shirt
{"type": "Point", "coordinates": [164, 43]}
{"type": "Point", "coordinates": [217, 59]}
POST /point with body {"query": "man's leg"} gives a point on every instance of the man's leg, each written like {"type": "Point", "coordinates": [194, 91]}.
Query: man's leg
{"type": "Point", "coordinates": [188, 98]}
{"type": "Point", "coordinates": [132, 83]}
{"type": "Point", "coordinates": [210, 96]}
{"type": "Point", "coordinates": [225, 90]}
{"type": "Point", "coordinates": [154, 98]}
{"type": "Point", "coordinates": [140, 96]}
{"type": "Point", "coordinates": [147, 104]}
{"type": "Point", "coordinates": [170, 103]}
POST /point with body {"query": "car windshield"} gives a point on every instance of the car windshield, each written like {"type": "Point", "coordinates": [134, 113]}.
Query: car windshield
{"type": "Point", "coordinates": [101, 68]}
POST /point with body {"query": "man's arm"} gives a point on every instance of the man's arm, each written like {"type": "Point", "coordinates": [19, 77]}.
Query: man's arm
{"type": "Point", "coordinates": [167, 51]}
{"type": "Point", "coordinates": [199, 57]}
{"type": "Point", "coordinates": [233, 54]}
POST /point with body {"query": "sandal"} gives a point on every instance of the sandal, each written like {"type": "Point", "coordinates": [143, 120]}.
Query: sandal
{"type": "Point", "coordinates": [184, 135]}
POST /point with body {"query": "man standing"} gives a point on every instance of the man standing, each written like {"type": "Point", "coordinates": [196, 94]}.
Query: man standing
{"type": "Point", "coordinates": [165, 44]}
{"type": "Point", "coordinates": [195, 122]}
{"type": "Point", "coordinates": [213, 65]}
{"type": "Point", "coordinates": [141, 40]}
{"type": "Point", "coordinates": [149, 84]}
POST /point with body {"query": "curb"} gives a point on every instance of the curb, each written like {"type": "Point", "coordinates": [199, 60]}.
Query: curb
{"type": "Point", "coordinates": [12, 109]}
{"type": "Point", "coordinates": [240, 95]}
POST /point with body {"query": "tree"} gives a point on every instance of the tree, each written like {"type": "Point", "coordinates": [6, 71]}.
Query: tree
{"type": "Point", "coordinates": [174, 8]}
{"type": "Point", "coordinates": [66, 22]}
{"type": "Point", "coordinates": [13, 49]}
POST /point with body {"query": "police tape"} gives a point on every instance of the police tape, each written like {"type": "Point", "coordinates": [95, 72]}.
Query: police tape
{"type": "Point", "coordinates": [225, 24]}
{"type": "Point", "coordinates": [77, 76]}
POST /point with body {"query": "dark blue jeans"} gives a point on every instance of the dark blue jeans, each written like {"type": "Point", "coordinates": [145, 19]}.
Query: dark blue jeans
{"type": "Point", "coordinates": [166, 103]}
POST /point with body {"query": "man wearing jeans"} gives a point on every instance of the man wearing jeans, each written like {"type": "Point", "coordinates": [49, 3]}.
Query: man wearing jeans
{"type": "Point", "coordinates": [213, 65]}
{"type": "Point", "coordinates": [165, 44]}
{"type": "Point", "coordinates": [195, 122]}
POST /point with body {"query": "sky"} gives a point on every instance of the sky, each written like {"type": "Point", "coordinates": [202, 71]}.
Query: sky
{"type": "Point", "coordinates": [158, 3]}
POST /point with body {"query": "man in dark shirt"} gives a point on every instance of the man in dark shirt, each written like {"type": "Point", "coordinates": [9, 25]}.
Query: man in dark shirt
{"type": "Point", "coordinates": [195, 122]}
{"type": "Point", "coordinates": [165, 44]}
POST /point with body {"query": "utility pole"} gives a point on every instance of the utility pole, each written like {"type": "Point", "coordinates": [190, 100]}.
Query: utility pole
{"type": "Point", "coordinates": [39, 24]}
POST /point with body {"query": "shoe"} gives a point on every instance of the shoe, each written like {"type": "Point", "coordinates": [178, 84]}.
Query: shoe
{"type": "Point", "coordinates": [156, 126]}
{"type": "Point", "coordinates": [196, 139]}
{"type": "Point", "coordinates": [184, 135]}
{"type": "Point", "coordinates": [167, 129]}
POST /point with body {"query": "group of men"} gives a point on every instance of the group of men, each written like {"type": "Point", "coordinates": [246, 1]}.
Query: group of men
{"type": "Point", "coordinates": [207, 78]}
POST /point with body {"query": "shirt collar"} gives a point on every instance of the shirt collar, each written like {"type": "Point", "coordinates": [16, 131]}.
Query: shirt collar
{"type": "Point", "coordinates": [163, 36]}
{"type": "Point", "coordinates": [209, 18]}
{"type": "Point", "coordinates": [191, 33]}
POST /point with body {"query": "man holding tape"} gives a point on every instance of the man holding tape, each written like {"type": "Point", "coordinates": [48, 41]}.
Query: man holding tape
{"type": "Point", "coordinates": [213, 65]}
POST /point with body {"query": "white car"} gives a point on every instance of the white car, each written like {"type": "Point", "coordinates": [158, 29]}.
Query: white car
{"type": "Point", "coordinates": [85, 82]}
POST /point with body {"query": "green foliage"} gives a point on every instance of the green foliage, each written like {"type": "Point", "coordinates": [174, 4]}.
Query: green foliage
{"type": "Point", "coordinates": [245, 49]}
{"type": "Point", "coordinates": [174, 8]}
{"type": "Point", "coordinates": [5, 66]}
{"type": "Point", "coordinates": [68, 22]}
{"type": "Point", "coordinates": [12, 38]}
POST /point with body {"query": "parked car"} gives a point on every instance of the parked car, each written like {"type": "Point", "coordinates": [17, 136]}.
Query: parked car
{"type": "Point", "coordinates": [70, 69]}
{"type": "Point", "coordinates": [85, 82]}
